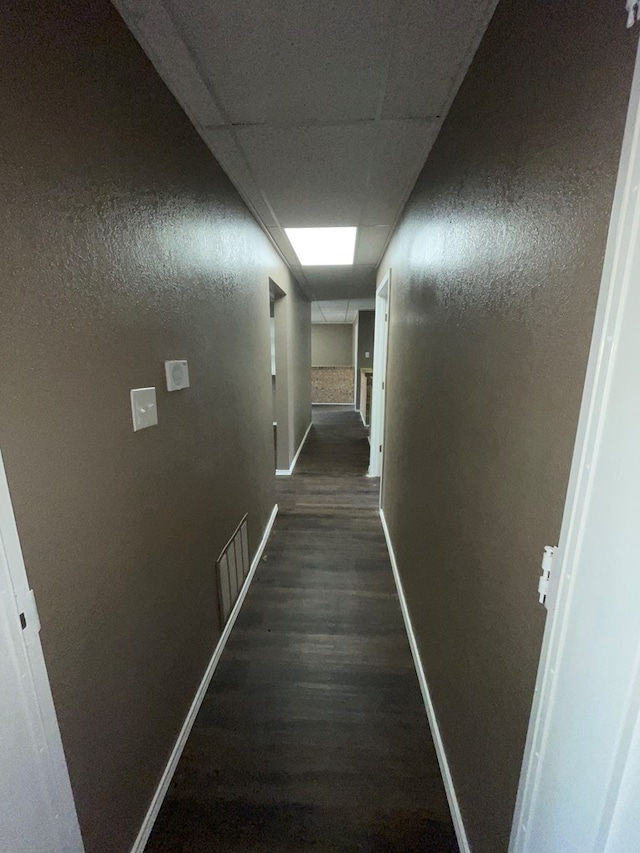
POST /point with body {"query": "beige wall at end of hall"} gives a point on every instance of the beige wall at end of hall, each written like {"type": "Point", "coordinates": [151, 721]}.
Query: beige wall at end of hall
{"type": "Point", "coordinates": [331, 345]}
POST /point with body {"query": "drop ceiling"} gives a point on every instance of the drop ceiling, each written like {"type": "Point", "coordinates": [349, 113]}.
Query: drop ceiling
{"type": "Point", "coordinates": [321, 113]}
{"type": "Point", "coordinates": [340, 310]}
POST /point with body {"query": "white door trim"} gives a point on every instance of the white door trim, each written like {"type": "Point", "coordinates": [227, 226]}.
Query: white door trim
{"type": "Point", "coordinates": [620, 272]}
{"type": "Point", "coordinates": [356, 333]}
{"type": "Point", "coordinates": [378, 396]}
{"type": "Point", "coordinates": [37, 689]}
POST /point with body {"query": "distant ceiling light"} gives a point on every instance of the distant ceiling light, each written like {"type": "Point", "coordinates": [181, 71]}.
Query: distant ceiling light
{"type": "Point", "coordinates": [323, 247]}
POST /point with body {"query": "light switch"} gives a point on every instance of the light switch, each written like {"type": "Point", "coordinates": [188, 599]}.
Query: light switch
{"type": "Point", "coordinates": [366, 355]}
{"type": "Point", "coordinates": [143, 408]}
{"type": "Point", "coordinates": [177, 373]}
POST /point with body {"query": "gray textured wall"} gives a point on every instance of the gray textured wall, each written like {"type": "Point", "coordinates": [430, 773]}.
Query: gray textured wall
{"type": "Point", "coordinates": [331, 345]}
{"type": "Point", "coordinates": [495, 272]}
{"type": "Point", "coordinates": [123, 244]}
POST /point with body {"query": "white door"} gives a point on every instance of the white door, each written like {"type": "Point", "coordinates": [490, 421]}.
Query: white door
{"type": "Point", "coordinates": [379, 384]}
{"type": "Point", "coordinates": [580, 786]}
{"type": "Point", "coordinates": [37, 813]}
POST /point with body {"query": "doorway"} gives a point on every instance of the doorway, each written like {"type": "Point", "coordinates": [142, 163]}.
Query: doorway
{"type": "Point", "coordinates": [272, 333]}
{"type": "Point", "coordinates": [378, 402]}
{"type": "Point", "coordinates": [37, 812]}
{"type": "Point", "coordinates": [280, 377]}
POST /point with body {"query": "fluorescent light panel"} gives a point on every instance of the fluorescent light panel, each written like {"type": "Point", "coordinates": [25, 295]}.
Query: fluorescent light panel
{"type": "Point", "coordinates": [323, 247]}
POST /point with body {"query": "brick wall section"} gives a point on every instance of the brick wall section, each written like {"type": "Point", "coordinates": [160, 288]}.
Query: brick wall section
{"type": "Point", "coordinates": [332, 384]}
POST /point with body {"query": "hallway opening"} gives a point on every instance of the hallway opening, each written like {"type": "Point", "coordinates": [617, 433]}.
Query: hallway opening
{"type": "Point", "coordinates": [313, 735]}
{"type": "Point", "coordinates": [155, 155]}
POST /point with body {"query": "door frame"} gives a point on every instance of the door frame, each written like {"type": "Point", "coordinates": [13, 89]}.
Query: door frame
{"type": "Point", "coordinates": [379, 389]}
{"type": "Point", "coordinates": [19, 601]}
{"type": "Point", "coordinates": [620, 272]}
{"type": "Point", "coordinates": [356, 334]}
{"type": "Point", "coordinates": [283, 412]}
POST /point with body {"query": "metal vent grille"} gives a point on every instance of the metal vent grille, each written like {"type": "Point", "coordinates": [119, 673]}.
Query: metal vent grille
{"type": "Point", "coordinates": [232, 568]}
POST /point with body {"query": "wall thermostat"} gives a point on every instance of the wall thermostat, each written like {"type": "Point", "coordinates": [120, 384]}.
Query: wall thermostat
{"type": "Point", "coordinates": [177, 373]}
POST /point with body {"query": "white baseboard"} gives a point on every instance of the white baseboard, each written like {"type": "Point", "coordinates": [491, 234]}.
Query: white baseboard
{"type": "Point", "coordinates": [287, 472]}
{"type": "Point", "coordinates": [165, 781]}
{"type": "Point", "coordinates": [342, 405]}
{"type": "Point", "coordinates": [454, 806]}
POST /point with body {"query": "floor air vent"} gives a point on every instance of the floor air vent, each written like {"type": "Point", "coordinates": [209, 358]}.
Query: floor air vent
{"type": "Point", "coordinates": [232, 568]}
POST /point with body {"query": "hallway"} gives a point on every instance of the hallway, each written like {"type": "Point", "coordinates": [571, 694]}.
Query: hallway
{"type": "Point", "coordinates": [313, 735]}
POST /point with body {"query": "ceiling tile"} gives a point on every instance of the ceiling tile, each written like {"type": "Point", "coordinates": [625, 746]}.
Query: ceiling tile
{"type": "Point", "coordinates": [157, 35]}
{"type": "Point", "coordinates": [341, 282]}
{"type": "Point", "coordinates": [329, 312]}
{"type": "Point", "coordinates": [229, 155]}
{"type": "Point", "coordinates": [339, 310]}
{"type": "Point", "coordinates": [316, 314]}
{"type": "Point", "coordinates": [285, 61]}
{"type": "Point", "coordinates": [312, 175]}
{"type": "Point", "coordinates": [370, 243]}
{"type": "Point", "coordinates": [436, 41]}
{"type": "Point", "coordinates": [402, 149]}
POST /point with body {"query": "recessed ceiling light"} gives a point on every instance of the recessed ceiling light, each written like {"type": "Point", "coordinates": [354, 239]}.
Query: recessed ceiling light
{"type": "Point", "coordinates": [326, 247]}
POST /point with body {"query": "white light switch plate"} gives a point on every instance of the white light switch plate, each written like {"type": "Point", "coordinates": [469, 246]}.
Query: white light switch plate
{"type": "Point", "coordinates": [177, 373]}
{"type": "Point", "coordinates": [143, 408]}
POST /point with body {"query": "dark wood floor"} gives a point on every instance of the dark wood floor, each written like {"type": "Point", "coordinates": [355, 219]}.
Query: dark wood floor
{"type": "Point", "coordinates": [313, 735]}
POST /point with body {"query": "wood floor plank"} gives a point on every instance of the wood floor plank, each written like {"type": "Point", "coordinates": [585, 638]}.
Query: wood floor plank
{"type": "Point", "coordinates": [313, 735]}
